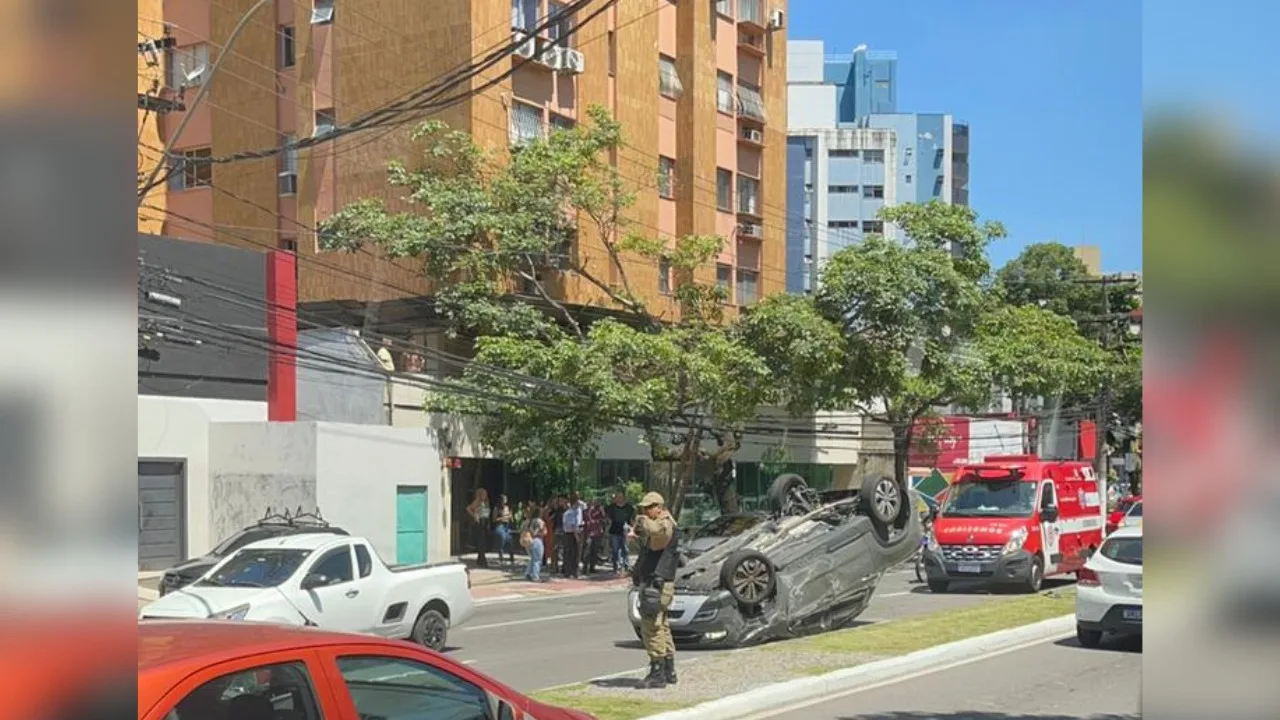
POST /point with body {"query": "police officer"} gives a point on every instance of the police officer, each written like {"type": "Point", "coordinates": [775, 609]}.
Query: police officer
{"type": "Point", "coordinates": [655, 574]}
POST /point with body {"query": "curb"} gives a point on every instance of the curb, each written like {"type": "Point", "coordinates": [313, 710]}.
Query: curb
{"type": "Point", "coordinates": [783, 696]}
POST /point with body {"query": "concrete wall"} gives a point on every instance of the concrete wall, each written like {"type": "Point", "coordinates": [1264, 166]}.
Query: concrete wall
{"type": "Point", "coordinates": [178, 428]}
{"type": "Point", "coordinates": [333, 391]}
{"type": "Point", "coordinates": [349, 472]}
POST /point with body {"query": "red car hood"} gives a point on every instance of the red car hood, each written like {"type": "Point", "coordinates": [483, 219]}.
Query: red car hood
{"type": "Point", "coordinates": [976, 531]}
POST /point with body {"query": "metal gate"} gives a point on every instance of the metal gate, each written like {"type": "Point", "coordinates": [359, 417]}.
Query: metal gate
{"type": "Point", "coordinates": [161, 526]}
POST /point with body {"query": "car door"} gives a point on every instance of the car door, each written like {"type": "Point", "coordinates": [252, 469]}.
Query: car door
{"type": "Point", "coordinates": [1050, 531]}
{"type": "Point", "coordinates": [270, 685]}
{"type": "Point", "coordinates": [338, 603]}
{"type": "Point", "coordinates": [394, 685]}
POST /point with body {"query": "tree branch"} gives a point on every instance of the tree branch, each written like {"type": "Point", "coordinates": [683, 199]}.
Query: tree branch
{"type": "Point", "coordinates": [532, 278]}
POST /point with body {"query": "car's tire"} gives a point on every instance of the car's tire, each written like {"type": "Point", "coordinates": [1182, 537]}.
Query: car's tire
{"type": "Point", "coordinates": [938, 586]}
{"type": "Point", "coordinates": [749, 577]}
{"type": "Point", "coordinates": [431, 630]}
{"type": "Point", "coordinates": [1088, 638]}
{"type": "Point", "coordinates": [887, 503]}
{"type": "Point", "coordinates": [1035, 578]}
{"type": "Point", "coordinates": [781, 494]}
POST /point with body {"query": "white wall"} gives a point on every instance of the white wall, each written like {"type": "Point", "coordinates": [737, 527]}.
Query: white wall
{"type": "Point", "coordinates": [258, 466]}
{"type": "Point", "coordinates": [811, 107]}
{"type": "Point", "coordinates": [177, 428]}
{"type": "Point", "coordinates": [805, 61]}
{"type": "Point", "coordinates": [358, 470]}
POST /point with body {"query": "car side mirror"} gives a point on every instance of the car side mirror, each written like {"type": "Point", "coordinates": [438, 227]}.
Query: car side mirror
{"type": "Point", "coordinates": [314, 580]}
{"type": "Point", "coordinates": [1049, 514]}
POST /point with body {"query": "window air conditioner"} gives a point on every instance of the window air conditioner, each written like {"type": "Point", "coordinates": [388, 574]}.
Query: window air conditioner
{"type": "Point", "coordinates": [572, 61]}
{"type": "Point", "coordinates": [749, 230]}
{"type": "Point", "coordinates": [753, 135]}
{"type": "Point", "coordinates": [288, 183]}
{"type": "Point", "coordinates": [775, 19]}
{"type": "Point", "coordinates": [527, 48]}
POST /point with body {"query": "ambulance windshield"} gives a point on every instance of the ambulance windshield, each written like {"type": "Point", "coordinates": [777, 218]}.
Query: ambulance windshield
{"type": "Point", "coordinates": [974, 497]}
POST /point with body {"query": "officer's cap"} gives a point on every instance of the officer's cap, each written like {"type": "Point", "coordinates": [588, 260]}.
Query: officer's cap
{"type": "Point", "coordinates": [652, 498]}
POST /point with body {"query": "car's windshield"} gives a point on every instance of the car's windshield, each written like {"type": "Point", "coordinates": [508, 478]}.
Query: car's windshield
{"type": "Point", "coordinates": [1136, 510]}
{"type": "Point", "coordinates": [257, 567]}
{"type": "Point", "coordinates": [1127, 550]}
{"type": "Point", "coordinates": [727, 526]}
{"type": "Point", "coordinates": [990, 498]}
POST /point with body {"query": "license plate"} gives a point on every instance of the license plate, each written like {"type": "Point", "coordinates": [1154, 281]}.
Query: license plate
{"type": "Point", "coordinates": [1131, 614]}
{"type": "Point", "coordinates": [969, 568]}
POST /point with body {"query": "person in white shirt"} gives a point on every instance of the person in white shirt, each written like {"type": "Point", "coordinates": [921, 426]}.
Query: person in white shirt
{"type": "Point", "coordinates": [574, 516]}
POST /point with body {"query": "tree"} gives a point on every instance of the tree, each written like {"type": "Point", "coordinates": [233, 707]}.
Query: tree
{"type": "Point", "coordinates": [546, 381]}
{"type": "Point", "coordinates": [1033, 352]}
{"type": "Point", "coordinates": [908, 312]}
{"type": "Point", "coordinates": [1049, 275]}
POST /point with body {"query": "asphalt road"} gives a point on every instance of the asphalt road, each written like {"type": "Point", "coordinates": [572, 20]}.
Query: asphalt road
{"type": "Point", "coordinates": [1056, 680]}
{"type": "Point", "coordinates": [536, 644]}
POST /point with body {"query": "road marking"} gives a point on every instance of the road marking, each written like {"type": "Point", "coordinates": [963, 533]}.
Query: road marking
{"type": "Point", "coordinates": [526, 621]}
{"type": "Point", "coordinates": [909, 676]}
{"type": "Point", "coordinates": [894, 594]}
{"type": "Point", "coordinates": [497, 598]}
{"type": "Point", "coordinates": [545, 595]}
{"type": "Point", "coordinates": [468, 662]}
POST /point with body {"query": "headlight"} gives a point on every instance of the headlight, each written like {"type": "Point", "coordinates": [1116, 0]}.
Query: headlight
{"type": "Point", "coordinates": [235, 613]}
{"type": "Point", "coordinates": [1015, 541]}
{"type": "Point", "coordinates": [932, 542]}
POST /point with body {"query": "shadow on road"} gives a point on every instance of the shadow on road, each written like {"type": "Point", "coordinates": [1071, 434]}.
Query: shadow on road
{"type": "Point", "coordinates": [977, 715]}
{"type": "Point", "coordinates": [1129, 644]}
{"type": "Point", "coordinates": [969, 587]}
{"type": "Point", "coordinates": [631, 683]}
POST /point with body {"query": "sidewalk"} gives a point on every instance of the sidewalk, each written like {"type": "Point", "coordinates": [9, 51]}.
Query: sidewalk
{"type": "Point", "coordinates": [506, 581]}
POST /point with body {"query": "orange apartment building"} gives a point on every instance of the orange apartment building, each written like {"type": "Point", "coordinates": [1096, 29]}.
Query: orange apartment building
{"type": "Point", "coordinates": [699, 88]}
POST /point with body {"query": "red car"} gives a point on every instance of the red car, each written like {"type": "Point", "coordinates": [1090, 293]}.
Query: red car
{"type": "Point", "coordinates": [1122, 509]}
{"type": "Point", "coordinates": [189, 670]}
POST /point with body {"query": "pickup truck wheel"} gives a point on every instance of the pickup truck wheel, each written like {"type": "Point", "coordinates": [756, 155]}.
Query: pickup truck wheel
{"type": "Point", "coordinates": [431, 630]}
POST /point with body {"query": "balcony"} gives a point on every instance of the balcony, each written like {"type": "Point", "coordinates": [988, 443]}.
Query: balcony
{"type": "Point", "coordinates": [752, 43]}
{"type": "Point", "coordinates": [750, 103]}
{"type": "Point", "coordinates": [750, 15]}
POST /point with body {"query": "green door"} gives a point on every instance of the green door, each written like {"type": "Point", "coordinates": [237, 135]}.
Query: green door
{"type": "Point", "coordinates": [411, 524]}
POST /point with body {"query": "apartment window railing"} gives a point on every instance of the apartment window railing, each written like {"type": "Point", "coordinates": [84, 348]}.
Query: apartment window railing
{"type": "Point", "coordinates": [748, 195]}
{"type": "Point", "coordinates": [526, 123]}
{"type": "Point", "coordinates": [751, 11]}
{"type": "Point", "coordinates": [750, 103]}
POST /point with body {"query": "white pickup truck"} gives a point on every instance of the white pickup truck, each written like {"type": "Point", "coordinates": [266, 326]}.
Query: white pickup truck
{"type": "Point", "coordinates": [328, 581]}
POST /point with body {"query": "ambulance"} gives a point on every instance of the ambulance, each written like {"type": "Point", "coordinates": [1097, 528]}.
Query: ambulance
{"type": "Point", "coordinates": [1014, 520]}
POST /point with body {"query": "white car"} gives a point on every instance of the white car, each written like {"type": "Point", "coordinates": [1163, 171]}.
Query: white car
{"type": "Point", "coordinates": [1109, 589]}
{"type": "Point", "coordinates": [327, 581]}
{"type": "Point", "coordinates": [1133, 518]}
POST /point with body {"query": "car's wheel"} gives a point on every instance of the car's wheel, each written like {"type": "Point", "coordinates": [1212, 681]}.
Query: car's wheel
{"type": "Point", "coordinates": [886, 502]}
{"type": "Point", "coordinates": [749, 577]}
{"type": "Point", "coordinates": [1035, 577]}
{"type": "Point", "coordinates": [431, 630]}
{"type": "Point", "coordinates": [1088, 638]}
{"type": "Point", "coordinates": [789, 495]}
{"type": "Point", "coordinates": [938, 586]}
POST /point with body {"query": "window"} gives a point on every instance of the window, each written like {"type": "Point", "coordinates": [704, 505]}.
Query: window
{"type": "Point", "coordinates": [748, 195]}
{"type": "Point", "coordinates": [908, 152]}
{"type": "Point", "coordinates": [364, 562]}
{"type": "Point", "coordinates": [561, 30]}
{"type": "Point", "coordinates": [187, 66]}
{"type": "Point", "coordinates": [723, 8]}
{"type": "Point", "coordinates": [288, 57]}
{"type": "Point", "coordinates": [843, 224]}
{"type": "Point", "coordinates": [724, 190]}
{"type": "Point", "coordinates": [193, 169]}
{"type": "Point", "coordinates": [524, 14]}
{"type": "Point", "coordinates": [560, 122]}
{"type": "Point", "coordinates": [668, 79]}
{"type": "Point", "coordinates": [288, 168]}
{"type": "Point", "coordinates": [748, 293]}
{"type": "Point", "coordinates": [526, 123]}
{"type": "Point", "coordinates": [724, 92]}
{"type": "Point", "coordinates": [908, 178]}
{"type": "Point", "coordinates": [1123, 550]}
{"type": "Point", "coordinates": [873, 191]}
{"type": "Point", "coordinates": [666, 177]}
{"type": "Point", "coordinates": [289, 244]}
{"type": "Point", "coordinates": [335, 566]}
{"type": "Point", "coordinates": [322, 12]}
{"type": "Point", "coordinates": [841, 189]}
{"type": "Point", "coordinates": [391, 688]}
{"type": "Point", "coordinates": [873, 156]}
{"type": "Point", "coordinates": [844, 153]}
{"type": "Point", "coordinates": [326, 122]}
{"type": "Point", "coordinates": [278, 690]}
{"type": "Point", "coordinates": [613, 53]}
{"type": "Point", "coordinates": [875, 227]}
{"type": "Point", "coordinates": [724, 279]}
{"type": "Point", "coordinates": [750, 103]}
{"type": "Point", "coordinates": [664, 276]}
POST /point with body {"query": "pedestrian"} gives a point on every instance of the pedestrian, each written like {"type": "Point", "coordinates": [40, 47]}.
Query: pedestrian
{"type": "Point", "coordinates": [574, 517]}
{"type": "Point", "coordinates": [655, 574]}
{"type": "Point", "coordinates": [557, 551]}
{"type": "Point", "coordinates": [479, 512]}
{"type": "Point", "coordinates": [502, 520]}
{"type": "Point", "coordinates": [596, 523]}
{"type": "Point", "coordinates": [534, 533]}
{"type": "Point", "coordinates": [621, 515]}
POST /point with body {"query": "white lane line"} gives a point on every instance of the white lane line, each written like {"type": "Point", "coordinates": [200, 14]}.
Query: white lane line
{"type": "Point", "coordinates": [497, 598]}
{"type": "Point", "coordinates": [468, 662]}
{"type": "Point", "coordinates": [909, 676]}
{"type": "Point", "coordinates": [526, 621]}
{"type": "Point", "coordinates": [896, 594]}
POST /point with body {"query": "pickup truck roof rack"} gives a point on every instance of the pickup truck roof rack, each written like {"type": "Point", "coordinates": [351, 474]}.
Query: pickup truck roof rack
{"type": "Point", "coordinates": [296, 518]}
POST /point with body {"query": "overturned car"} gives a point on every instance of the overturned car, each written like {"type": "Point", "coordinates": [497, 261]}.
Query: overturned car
{"type": "Point", "coordinates": [811, 566]}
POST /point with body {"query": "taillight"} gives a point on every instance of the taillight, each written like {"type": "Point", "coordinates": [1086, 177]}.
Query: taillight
{"type": "Point", "coordinates": [1088, 578]}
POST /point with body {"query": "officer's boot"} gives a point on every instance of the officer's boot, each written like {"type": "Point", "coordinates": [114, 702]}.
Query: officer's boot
{"type": "Point", "coordinates": [669, 669]}
{"type": "Point", "coordinates": [656, 679]}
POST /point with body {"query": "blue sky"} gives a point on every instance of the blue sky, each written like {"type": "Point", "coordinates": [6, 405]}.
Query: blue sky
{"type": "Point", "coordinates": [1052, 90]}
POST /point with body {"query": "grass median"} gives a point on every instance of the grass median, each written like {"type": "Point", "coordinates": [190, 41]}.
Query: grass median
{"type": "Point", "coordinates": [705, 677]}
